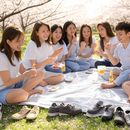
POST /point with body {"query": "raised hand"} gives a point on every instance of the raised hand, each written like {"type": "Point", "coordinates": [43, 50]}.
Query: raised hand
{"type": "Point", "coordinates": [107, 47]}
{"type": "Point", "coordinates": [83, 45]}
{"type": "Point", "coordinates": [73, 38]}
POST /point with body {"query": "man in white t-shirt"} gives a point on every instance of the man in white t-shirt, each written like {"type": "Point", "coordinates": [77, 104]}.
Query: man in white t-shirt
{"type": "Point", "coordinates": [121, 54]}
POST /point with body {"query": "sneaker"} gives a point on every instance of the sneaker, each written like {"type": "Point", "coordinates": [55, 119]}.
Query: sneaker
{"type": "Point", "coordinates": [127, 117]}
{"type": "Point", "coordinates": [96, 111]}
{"type": "Point", "coordinates": [21, 114]}
{"type": "Point", "coordinates": [119, 116]}
{"type": "Point", "coordinates": [33, 113]}
{"type": "Point", "coordinates": [0, 111]}
{"type": "Point", "coordinates": [108, 113]}
{"type": "Point", "coordinates": [69, 110]}
{"type": "Point", "coordinates": [53, 110]}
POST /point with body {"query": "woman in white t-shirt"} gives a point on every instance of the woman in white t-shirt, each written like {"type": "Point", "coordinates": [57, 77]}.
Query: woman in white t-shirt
{"type": "Point", "coordinates": [73, 64]}
{"type": "Point", "coordinates": [40, 53]}
{"type": "Point", "coordinates": [15, 88]}
{"type": "Point", "coordinates": [87, 45]}
{"type": "Point", "coordinates": [57, 42]}
{"type": "Point", "coordinates": [106, 37]}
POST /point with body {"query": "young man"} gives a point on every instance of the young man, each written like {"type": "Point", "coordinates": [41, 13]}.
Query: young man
{"type": "Point", "coordinates": [121, 54]}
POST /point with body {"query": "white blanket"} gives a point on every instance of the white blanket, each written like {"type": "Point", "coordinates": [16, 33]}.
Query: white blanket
{"type": "Point", "coordinates": [84, 91]}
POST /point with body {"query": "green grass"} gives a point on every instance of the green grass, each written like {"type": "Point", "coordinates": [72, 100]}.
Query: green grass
{"type": "Point", "coordinates": [42, 122]}
{"type": "Point", "coordinates": [79, 122]}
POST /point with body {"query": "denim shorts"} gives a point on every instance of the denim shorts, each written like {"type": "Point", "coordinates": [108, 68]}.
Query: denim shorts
{"type": "Point", "coordinates": [5, 91]}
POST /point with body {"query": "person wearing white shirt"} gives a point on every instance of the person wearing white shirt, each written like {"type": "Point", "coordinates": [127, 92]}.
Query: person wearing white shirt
{"type": "Point", "coordinates": [15, 87]}
{"type": "Point", "coordinates": [106, 37]}
{"type": "Point", "coordinates": [57, 42]}
{"type": "Point", "coordinates": [122, 55]}
{"type": "Point", "coordinates": [40, 53]}
{"type": "Point", "coordinates": [73, 64]}
{"type": "Point", "coordinates": [87, 45]}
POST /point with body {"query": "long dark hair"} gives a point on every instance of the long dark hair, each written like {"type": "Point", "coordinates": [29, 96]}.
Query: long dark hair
{"type": "Point", "coordinates": [81, 38]}
{"type": "Point", "coordinates": [66, 25]}
{"type": "Point", "coordinates": [34, 35]}
{"type": "Point", "coordinates": [53, 28]}
{"type": "Point", "coordinates": [10, 33]}
{"type": "Point", "coordinates": [109, 32]}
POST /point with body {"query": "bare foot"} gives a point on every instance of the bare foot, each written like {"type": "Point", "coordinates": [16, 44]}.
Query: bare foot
{"type": "Point", "coordinates": [107, 85]}
{"type": "Point", "coordinates": [43, 83]}
{"type": "Point", "coordinates": [35, 91]}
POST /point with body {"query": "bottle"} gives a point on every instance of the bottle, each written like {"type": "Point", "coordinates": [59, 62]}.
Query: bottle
{"type": "Point", "coordinates": [111, 79]}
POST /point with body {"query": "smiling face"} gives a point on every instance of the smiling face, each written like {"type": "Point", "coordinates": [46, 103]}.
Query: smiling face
{"type": "Point", "coordinates": [16, 43]}
{"type": "Point", "coordinates": [43, 33]}
{"type": "Point", "coordinates": [102, 31]}
{"type": "Point", "coordinates": [86, 32]}
{"type": "Point", "coordinates": [56, 35]}
{"type": "Point", "coordinates": [71, 30]}
{"type": "Point", "coordinates": [122, 36]}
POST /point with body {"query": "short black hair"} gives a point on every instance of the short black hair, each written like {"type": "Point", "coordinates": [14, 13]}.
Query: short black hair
{"type": "Point", "coordinates": [123, 26]}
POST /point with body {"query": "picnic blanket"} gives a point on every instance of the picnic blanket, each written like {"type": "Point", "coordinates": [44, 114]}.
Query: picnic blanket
{"type": "Point", "coordinates": [83, 92]}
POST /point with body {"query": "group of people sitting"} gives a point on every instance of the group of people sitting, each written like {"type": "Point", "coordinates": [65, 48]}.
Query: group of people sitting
{"type": "Point", "coordinates": [49, 47]}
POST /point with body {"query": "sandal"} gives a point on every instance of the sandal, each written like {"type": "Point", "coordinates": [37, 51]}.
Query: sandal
{"type": "Point", "coordinates": [33, 113]}
{"type": "Point", "coordinates": [21, 114]}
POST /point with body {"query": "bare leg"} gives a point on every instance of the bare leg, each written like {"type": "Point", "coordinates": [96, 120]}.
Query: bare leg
{"type": "Point", "coordinates": [32, 83]}
{"type": "Point", "coordinates": [16, 96]}
{"type": "Point", "coordinates": [43, 83]}
{"type": "Point", "coordinates": [126, 88]}
{"type": "Point", "coordinates": [108, 85]}
{"type": "Point", "coordinates": [52, 80]}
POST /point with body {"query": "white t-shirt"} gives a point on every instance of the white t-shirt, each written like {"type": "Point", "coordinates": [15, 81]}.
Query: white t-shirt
{"type": "Point", "coordinates": [88, 50]}
{"type": "Point", "coordinates": [36, 53]}
{"type": "Point", "coordinates": [123, 54]}
{"type": "Point", "coordinates": [64, 52]}
{"type": "Point", "coordinates": [74, 50]}
{"type": "Point", "coordinates": [6, 66]}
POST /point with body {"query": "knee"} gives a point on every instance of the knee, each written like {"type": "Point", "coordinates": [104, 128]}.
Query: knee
{"type": "Point", "coordinates": [60, 77]}
{"type": "Point", "coordinates": [75, 68]}
{"type": "Point", "coordinates": [125, 84]}
{"type": "Point", "coordinates": [47, 67]}
{"type": "Point", "coordinates": [23, 96]}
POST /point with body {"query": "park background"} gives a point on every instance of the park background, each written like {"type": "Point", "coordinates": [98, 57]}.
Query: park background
{"type": "Point", "coordinates": [24, 13]}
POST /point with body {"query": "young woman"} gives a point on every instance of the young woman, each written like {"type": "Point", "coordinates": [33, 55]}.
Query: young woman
{"type": "Point", "coordinates": [57, 42]}
{"type": "Point", "coordinates": [69, 36]}
{"type": "Point", "coordinates": [87, 44]}
{"type": "Point", "coordinates": [39, 53]}
{"type": "Point", "coordinates": [15, 88]}
{"type": "Point", "coordinates": [106, 37]}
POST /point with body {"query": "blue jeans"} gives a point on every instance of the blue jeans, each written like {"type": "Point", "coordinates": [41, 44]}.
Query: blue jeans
{"type": "Point", "coordinates": [124, 76]}
{"type": "Point", "coordinates": [77, 65]}
{"type": "Point", "coordinates": [5, 91]}
{"type": "Point", "coordinates": [49, 68]}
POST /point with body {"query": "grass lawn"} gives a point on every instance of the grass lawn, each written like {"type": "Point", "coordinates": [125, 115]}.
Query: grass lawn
{"type": "Point", "coordinates": [79, 122]}
{"type": "Point", "coordinates": [43, 122]}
